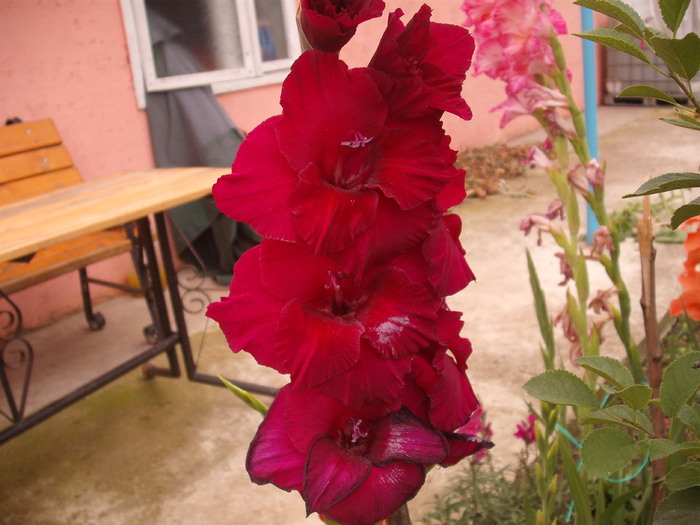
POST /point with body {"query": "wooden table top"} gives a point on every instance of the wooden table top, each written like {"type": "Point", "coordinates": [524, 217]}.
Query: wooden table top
{"type": "Point", "coordinates": [42, 221]}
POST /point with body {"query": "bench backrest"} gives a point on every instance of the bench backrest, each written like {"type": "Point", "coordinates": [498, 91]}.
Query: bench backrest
{"type": "Point", "coordinates": [33, 161]}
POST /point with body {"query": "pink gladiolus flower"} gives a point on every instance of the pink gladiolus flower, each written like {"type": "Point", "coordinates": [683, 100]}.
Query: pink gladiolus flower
{"type": "Point", "coordinates": [513, 36]}
{"type": "Point", "coordinates": [513, 45]}
{"type": "Point", "coordinates": [526, 97]}
{"type": "Point", "coordinates": [595, 174]}
{"type": "Point", "coordinates": [329, 24]}
{"type": "Point", "coordinates": [537, 157]}
{"type": "Point", "coordinates": [526, 429]}
{"type": "Point", "coordinates": [353, 466]}
{"type": "Point", "coordinates": [602, 241]}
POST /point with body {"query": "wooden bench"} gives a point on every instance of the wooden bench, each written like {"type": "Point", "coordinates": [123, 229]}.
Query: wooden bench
{"type": "Point", "coordinates": [33, 161]}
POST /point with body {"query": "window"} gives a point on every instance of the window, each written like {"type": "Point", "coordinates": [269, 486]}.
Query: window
{"type": "Point", "coordinates": [227, 44]}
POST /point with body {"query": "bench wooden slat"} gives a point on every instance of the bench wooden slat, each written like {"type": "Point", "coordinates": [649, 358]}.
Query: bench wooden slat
{"type": "Point", "coordinates": [38, 184]}
{"type": "Point", "coordinates": [35, 162]}
{"type": "Point", "coordinates": [63, 258]}
{"type": "Point", "coordinates": [27, 136]}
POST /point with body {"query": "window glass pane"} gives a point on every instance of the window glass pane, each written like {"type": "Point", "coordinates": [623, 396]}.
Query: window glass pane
{"type": "Point", "coordinates": [271, 29]}
{"type": "Point", "coordinates": [191, 36]}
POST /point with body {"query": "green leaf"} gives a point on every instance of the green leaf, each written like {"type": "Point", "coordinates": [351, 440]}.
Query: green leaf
{"type": "Point", "coordinates": [685, 212]}
{"type": "Point", "coordinates": [607, 450]}
{"type": "Point", "coordinates": [620, 41]}
{"type": "Point", "coordinates": [682, 56]}
{"type": "Point", "coordinates": [618, 503]}
{"type": "Point", "coordinates": [647, 92]}
{"type": "Point", "coordinates": [575, 482]}
{"type": "Point", "coordinates": [246, 397]}
{"type": "Point", "coordinates": [636, 396]}
{"type": "Point", "coordinates": [609, 369]}
{"type": "Point", "coordinates": [622, 415]}
{"type": "Point", "coordinates": [673, 11]}
{"type": "Point", "coordinates": [690, 416]}
{"type": "Point", "coordinates": [616, 10]}
{"type": "Point", "coordinates": [661, 448]}
{"type": "Point", "coordinates": [680, 508]}
{"type": "Point", "coordinates": [679, 382]}
{"type": "Point", "coordinates": [541, 309]}
{"type": "Point", "coordinates": [667, 182]}
{"type": "Point", "coordinates": [561, 387]}
{"type": "Point", "coordinates": [683, 123]}
{"type": "Point", "coordinates": [684, 476]}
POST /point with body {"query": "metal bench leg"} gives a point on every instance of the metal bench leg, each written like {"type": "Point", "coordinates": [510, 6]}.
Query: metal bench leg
{"type": "Point", "coordinates": [95, 320]}
{"type": "Point", "coordinates": [16, 359]}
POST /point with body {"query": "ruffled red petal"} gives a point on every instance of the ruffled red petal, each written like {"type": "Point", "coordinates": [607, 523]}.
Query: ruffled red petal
{"type": "Point", "coordinates": [248, 316]}
{"type": "Point", "coordinates": [328, 217]}
{"type": "Point", "coordinates": [331, 474]}
{"type": "Point", "coordinates": [258, 189]}
{"type": "Point", "coordinates": [381, 494]}
{"type": "Point", "coordinates": [272, 458]}
{"type": "Point", "coordinates": [402, 436]}
{"type": "Point", "coordinates": [315, 347]}
{"type": "Point", "coordinates": [400, 317]}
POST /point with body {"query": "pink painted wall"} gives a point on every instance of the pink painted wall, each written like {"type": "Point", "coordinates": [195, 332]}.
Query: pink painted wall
{"type": "Point", "coordinates": [68, 60]}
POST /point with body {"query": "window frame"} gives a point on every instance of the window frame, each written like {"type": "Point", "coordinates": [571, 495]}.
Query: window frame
{"type": "Point", "coordinates": [254, 72]}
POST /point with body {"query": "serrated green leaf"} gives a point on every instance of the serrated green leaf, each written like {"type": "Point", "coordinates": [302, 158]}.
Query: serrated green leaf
{"type": "Point", "coordinates": [622, 415]}
{"type": "Point", "coordinates": [681, 55]}
{"type": "Point", "coordinates": [683, 123]}
{"type": "Point", "coordinates": [607, 450]}
{"type": "Point", "coordinates": [246, 397]}
{"type": "Point", "coordinates": [609, 369]}
{"type": "Point", "coordinates": [679, 382]}
{"type": "Point", "coordinates": [636, 396]}
{"type": "Point", "coordinates": [673, 11]}
{"type": "Point", "coordinates": [561, 387]}
{"type": "Point", "coordinates": [679, 508]}
{"type": "Point", "coordinates": [647, 92]}
{"type": "Point", "coordinates": [667, 182]}
{"type": "Point", "coordinates": [661, 448]}
{"type": "Point", "coordinates": [620, 41]}
{"type": "Point", "coordinates": [616, 10]}
{"type": "Point", "coordinates": [684, 476]}
{"type": "Point", "coordinates": [690, 416]}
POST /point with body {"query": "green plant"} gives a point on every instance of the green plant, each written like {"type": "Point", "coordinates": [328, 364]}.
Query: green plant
{"type": "Point", "coordinates": [485, 495]}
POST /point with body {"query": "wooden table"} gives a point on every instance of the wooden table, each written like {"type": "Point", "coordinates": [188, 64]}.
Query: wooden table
{"type": "Point", "coordinates": [94, 205]}
{"type": "Point", "coordinates": [130, 196]}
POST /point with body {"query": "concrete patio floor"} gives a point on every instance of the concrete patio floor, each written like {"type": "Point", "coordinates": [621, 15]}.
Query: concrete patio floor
{"type": "Point", "coordinates": [172, 452]}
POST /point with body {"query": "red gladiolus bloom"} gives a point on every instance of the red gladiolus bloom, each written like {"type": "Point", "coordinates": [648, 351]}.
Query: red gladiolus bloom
{"type": "Point", "coordinates": [329, 24]}
{"type": "Point", "coordinates": [427, 59]}
{"type": "Point", "coordinates": [330, 161]}
{"type": "Point", "coordinates": [302, 314]}
{"type": "Point", "coordinates": [353, 466]}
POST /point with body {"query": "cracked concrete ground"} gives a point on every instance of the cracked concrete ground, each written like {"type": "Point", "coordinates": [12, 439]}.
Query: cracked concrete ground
{"type": "Point", "coordinates": [169, 451]}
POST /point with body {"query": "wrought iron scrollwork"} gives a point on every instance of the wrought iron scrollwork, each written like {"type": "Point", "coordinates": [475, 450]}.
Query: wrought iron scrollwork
{"type": "Point", "coordinates": [16, 359]}
{"type": "Point", "coordinates": [194, 298]}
